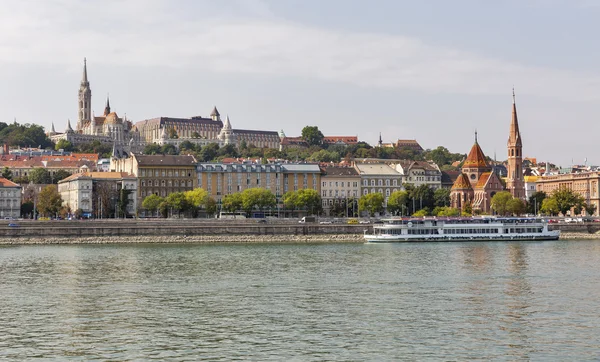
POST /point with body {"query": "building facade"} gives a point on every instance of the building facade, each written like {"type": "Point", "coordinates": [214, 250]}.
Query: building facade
{"type": "Point", "coordinates": [339, 187]}
{"type": "Point", "coordinates": [379, 178]}
{"type": "Point", "coordinates": [10, 199]}
{"type": "Point", "coordinates": [160, 175]}
{"type": "Point", "coordinates": [220, 179]}
{"type": "Point", "coordinates": [419, 173]}
{"type": "Point", "coordinates": [96, 194]}
{"type": "Point", "coordinates": [586, 184]}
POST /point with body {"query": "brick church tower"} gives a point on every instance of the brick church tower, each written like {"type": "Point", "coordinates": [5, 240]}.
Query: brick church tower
{"type": "Point", "coordinates": [514, 182]}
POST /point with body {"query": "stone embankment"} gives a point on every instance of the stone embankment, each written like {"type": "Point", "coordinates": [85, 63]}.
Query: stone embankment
{"type": "Point", "coordinates": [183, 239]}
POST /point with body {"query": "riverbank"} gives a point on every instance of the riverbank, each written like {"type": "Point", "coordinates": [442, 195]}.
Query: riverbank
{"type": "Point", "coordinates": [215, 239]}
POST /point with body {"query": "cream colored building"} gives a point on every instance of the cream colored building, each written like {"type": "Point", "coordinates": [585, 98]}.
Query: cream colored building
{"type": "Point", "coordinates": [10, 199]}
{"type": "Point", "coordinates": [338, 185]}
{"type": "Point", "coordinates": [379, 178]}
{"type": "Point", "coordinates": [82, 191]}
{"type": "Point", "coordinates": [419, 173]}
{"type": "Point", "coordinates": [585, 184]}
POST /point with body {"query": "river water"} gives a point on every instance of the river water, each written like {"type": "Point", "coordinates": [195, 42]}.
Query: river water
{"type": "Point", "coordinates": [304, 302]}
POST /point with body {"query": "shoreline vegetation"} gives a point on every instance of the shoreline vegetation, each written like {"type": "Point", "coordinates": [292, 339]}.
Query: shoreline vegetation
{"type": "Point", "coordinates": [219, 239]}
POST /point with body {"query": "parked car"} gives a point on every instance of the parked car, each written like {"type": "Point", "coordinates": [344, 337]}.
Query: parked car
{"type": "Point", "coordinates": [352, 221]}
{"type": "Point", "coordinates": [325, 222]}
{"type": "Point", "coordinates": [261, 221]}
{"type": "Point", "coordinates": [364, 222]}
{"type": "Point", "coordinates": [13, 225]}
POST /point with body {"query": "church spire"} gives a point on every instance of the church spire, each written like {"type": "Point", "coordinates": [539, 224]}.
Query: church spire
{"type": "Point", "coordinates": [84, 79]}
{"type": "Point", "coordinates": [107, 107]}
{"type": "Point", "coordinates": [514, 136]}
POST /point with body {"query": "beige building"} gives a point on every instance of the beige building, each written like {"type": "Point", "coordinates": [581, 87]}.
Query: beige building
{"type": "Point", "coordinates": [220, 179]}
{"type": "Point", "coordinates": [585, 184]}
{"type": "Point", "coordinates": [10, 199]}
{"type": "Point", "coordinates": [338, 185]}
{"type": "Point", "coordinates": [159, 174]}
{"type": "Point", "coordinates": [96, 193]}
{"type": "Point", "coordinates": [419, 173]}
{"type": "Point", "coordinates": [380, 178]}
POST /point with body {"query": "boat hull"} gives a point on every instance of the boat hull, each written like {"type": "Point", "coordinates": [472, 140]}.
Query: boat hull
{"type": "Point", "coordinates": [457, 238]}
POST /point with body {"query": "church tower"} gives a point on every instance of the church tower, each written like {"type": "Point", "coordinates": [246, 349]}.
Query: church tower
{"type": "Point", "coordinates": [514, 182]}
{"type": "Point", "coordinates": [85, 99]}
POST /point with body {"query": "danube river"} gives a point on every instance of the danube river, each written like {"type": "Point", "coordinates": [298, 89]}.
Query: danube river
{"type": "Point", "coordinates": [306, 302]}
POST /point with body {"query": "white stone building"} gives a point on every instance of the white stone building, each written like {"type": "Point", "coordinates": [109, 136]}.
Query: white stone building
{"type": "Point", "coordinates": [92, 191]}
{"type": "Point", "coordinates": [10, 199]}
{"type": "Point", "coordinates": [339, 186]}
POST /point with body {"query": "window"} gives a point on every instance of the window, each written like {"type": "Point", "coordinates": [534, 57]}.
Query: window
{"type": "Point", "coordinates": [372, 182]}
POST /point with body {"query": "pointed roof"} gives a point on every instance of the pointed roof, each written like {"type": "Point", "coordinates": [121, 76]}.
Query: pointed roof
{"type": "Point", "coordinates": [514, 137]}
{"type": "Point", "coordinates": [107, 107]}
{"type": "Point", "coordinates": [69, 128]}
{"type": "Point", "coordinates": [227, 124]}
{"type": "Point", "coordinates": [84, 79]}
{"type": "Point", "coordinates": [462, 182]}
{"type": "Point", "coordinates": [53, 131]}
{"type": "Point", "coordinates": [215, 112]}
{"type": "Point", "coordinates": [476, 158]}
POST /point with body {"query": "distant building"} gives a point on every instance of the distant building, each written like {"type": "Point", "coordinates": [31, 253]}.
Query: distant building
{"type": "Point", "coordinates": [97, 193]}
{"type": "Point", "coordinates": [108, 128]}
{"type": "Point", "coordinates": [338, 185]}
{"type": "Point", "coordinates": [10, 199]}
{"type": "Point", "coordinates": [419, 173]}
{"type": "Point", "coordinates": [379, 178]}
{"type": "Point", "coordinates": [159, 174]}
{"type": "Point", "coordinates": [412, 145]}
{"type": "Point", "coordinates": [586, 184]}
{"type": "Point", "coordinates": [340, 140]}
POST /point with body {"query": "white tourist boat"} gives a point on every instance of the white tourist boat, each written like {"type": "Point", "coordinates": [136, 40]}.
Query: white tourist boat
{"type": "Point", "coordinates": [460, 229]}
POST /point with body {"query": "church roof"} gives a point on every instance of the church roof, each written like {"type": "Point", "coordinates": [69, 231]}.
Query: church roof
{"type": "Point", "coordinates": [462, 182]}
{"type": "Point", "coordinates": [112, 118]}
{"type": "Point", "coordinates": [476, 158]}
{"type": "Point", "coordinates": [215, 112]}
{"type": "Point", "coordinates": [483, 179]}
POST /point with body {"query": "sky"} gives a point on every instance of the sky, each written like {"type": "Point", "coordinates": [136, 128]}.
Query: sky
{"type": "Point", "coordinates": [432, 70]}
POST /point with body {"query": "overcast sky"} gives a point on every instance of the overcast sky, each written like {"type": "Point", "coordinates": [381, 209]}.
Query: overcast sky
{"type": "Point", "coordinates": [434, 71]}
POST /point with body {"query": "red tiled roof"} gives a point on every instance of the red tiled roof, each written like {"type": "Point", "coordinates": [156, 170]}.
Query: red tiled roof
{"type": "Point", "coordinates": [462, 182]}
{"type": "Point", "coordinates": [476, 158]}
{"type": "Point", "coordinates": [7, 183]}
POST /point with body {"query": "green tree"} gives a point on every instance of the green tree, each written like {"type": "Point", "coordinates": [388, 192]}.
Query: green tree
{"type": "Point", "coordinates": [177, 201]}
{"type": "Point", "coordinates": [500, 201]}
{"type": "Point", "coordinates": [516, 206]}
{"type": "Point", "coordinates": [209, 152]}
{"type": "Point", "coordinates": [441, 197]}
{"type": "Point", "coordinates": [257, 198]}
{"type": "Point", "coordinates": [534, 203]}
{"type": "Point", "coordinates": [49, 201]}
{"type": "Point", "coordinates": [309, 199]}
{"type": "Point", "coordinates": [210, 205]}
{"type": "Point", "coordinates": [324, 156]}
{"type": "Point", "coordinates": [550, 206]}
{"type": "Point", "coordinates": [397, 202]}
{"type": "Point", "coordinates": [467, 209]}
{"type": "Point", "coordinates": [232, 202]}
{"type": "Point", "coordinates": [60, 175]}
{"type": "Point", "coordinates": [421, 213]}
{"type": "Point", "coordinates": [196, 197]}
{"type": "Point", "coordinates": [27, 209]}
{"type": "Point", "coordinates": [152, 149]}
{"type": "Point", "coordinates": [590, 209]}
{"type": "Point", "coordinates": [152, 203]}
{"type": "Point", "coordinates": [312, 135]}
{"type": "Point", "coordinates": [371, 203]}
{"type": "Point", "coordinates": [290, 201]}
{"type": "Point", "coordinates": [566, 199]}
{"type": "Point", "coordinates": [168, 149]}
{"type": "Point", "coordinates": [7, 173]}
{"type": "Point", "coordinates": [63, 145]}
{"type": "Point", "coordinates": [445, 211]}
{"type": "Point", "coordinates": [123, 202]}
{"type": "Point", "coordinates": [39, 176]}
